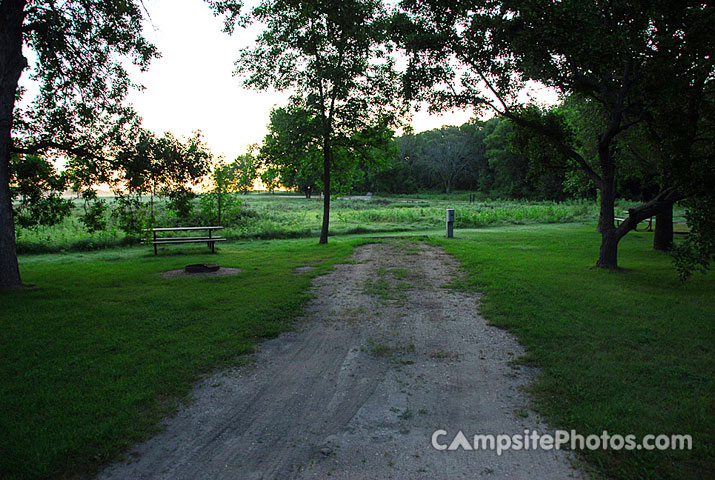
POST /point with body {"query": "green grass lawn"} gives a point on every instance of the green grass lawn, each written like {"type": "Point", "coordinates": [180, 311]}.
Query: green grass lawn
{"type": "Point", "coordinates": [103, 347]}
{"type": "Point", "coordinates": [630, 352]}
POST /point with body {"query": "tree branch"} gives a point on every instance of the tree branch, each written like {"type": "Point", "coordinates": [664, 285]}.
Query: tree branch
{"type": "Point", "coordinates": [46, 145]}
{"type": "Point", "coordinates": [665, 199]}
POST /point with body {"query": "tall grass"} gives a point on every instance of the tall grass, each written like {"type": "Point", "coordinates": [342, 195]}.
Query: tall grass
{"type": "Point", "coordinates": [70, 234]}
{"type": "Point", "coordinates": [281, 216]}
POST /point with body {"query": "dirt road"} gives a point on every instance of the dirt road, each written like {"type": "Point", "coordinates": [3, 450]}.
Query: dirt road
{"type": "Point", "coordinates": [384, 356]}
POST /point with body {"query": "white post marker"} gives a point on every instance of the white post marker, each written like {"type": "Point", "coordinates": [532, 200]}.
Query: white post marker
{"type": "Point", "coordinates": [450, 223]}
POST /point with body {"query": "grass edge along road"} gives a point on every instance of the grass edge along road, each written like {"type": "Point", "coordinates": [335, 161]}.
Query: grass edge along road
{"type": "Point", "coordinates": [630, 352]}
{"type": "Point", "coordinates": [102, 347]}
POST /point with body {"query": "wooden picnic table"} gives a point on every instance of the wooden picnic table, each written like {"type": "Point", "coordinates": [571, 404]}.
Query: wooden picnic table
{"type": "Point", "coordinates": [210, 240]}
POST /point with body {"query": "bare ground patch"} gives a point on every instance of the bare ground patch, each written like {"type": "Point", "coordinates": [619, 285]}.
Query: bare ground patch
{"type": "Point", "coordinates": [303, 269]}
{"type": "Point", "coordinates": [384, 356]}
{"type": "Point", "coordinates": [218, 273]}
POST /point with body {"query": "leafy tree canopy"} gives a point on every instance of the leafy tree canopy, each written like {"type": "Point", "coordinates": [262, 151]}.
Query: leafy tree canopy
{"type": "Point", "coordinates": [336, 58]}
{"type": "Point", "coordinates": [293, 150]}
{"type": "Point", "coordinates": [627, 57]}
{"type": "Point", "coordinates": [80, 51]}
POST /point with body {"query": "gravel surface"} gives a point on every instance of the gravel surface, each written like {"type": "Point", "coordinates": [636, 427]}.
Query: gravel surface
{"type": "Point", "coordinates": [384, 356]}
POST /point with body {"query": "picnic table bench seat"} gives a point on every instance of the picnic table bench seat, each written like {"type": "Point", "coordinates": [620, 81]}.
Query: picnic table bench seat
{"type": "Point", "coordinates": [210, 240]}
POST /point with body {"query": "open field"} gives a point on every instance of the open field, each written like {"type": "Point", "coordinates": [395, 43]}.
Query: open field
{"type": "Point", "coordinates": [102, 347]}
{"type": "Point", "coordinates": [274, 216]}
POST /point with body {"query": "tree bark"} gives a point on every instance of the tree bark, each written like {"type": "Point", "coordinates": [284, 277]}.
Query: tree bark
{"type": "Point", "coordinates": [663, 236]}
{"type": "Point", "coordinates": [9, 269]}
{"type": "Point", "coordinates": [12, 63]}
{"type": "Point", "coordinates": [327, 155]}
{"type": "Point", "coordinates": [608, 254]}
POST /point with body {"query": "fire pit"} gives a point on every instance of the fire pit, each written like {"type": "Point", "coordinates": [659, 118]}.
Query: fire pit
{"type": "Point", "coordinates": [202, 268]}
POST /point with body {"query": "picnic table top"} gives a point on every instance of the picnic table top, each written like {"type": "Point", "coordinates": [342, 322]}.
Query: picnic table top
{"type": "Point", "coordinates": [182, 229]}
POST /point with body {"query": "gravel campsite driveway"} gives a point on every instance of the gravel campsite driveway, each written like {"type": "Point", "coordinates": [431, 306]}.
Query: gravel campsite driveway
{"type": "Point", "coordinates": [384, 356]}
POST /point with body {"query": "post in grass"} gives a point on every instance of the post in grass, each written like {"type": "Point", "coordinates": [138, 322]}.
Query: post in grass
{"type": "Point", "coordinates": [450, 223]}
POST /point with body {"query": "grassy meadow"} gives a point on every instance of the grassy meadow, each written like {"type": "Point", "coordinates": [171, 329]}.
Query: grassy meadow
{"type": "Point", "coordinates": [101, 347]}
{"type": "Point", "coordinates": [288, 215]}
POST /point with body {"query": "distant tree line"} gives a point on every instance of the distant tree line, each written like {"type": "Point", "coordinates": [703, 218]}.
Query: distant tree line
{"type": "Point", "coordinates": [477, 156]}
{"type": "Point", "coordinates": [485, 157]}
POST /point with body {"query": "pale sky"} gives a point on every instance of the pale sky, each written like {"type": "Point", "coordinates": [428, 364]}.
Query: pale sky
{"type": "Point", "coordinates": [192, 86]}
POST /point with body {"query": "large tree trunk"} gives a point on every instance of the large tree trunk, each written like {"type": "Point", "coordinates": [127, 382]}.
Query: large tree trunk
{"type": "Point", "coordinates": [327, 155]}
{"type": "Point", "coordinates": [608, 254]}
{"type": "Point", "coordinates": [663, 237]}
{"type": "Point", "coordinates": [9, 269]}
{"type": "Point", "coordinates": [12, 63]}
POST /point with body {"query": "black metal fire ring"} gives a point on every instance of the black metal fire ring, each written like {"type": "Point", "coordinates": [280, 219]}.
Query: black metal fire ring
{"type": "Point", "coordinates": [202, 268]}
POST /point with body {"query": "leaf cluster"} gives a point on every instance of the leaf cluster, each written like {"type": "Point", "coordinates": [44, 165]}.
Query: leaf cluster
{"type": "Point", "coordinates": [36, 191]}
{"type": "Point", "coordinates": [83, 53]}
